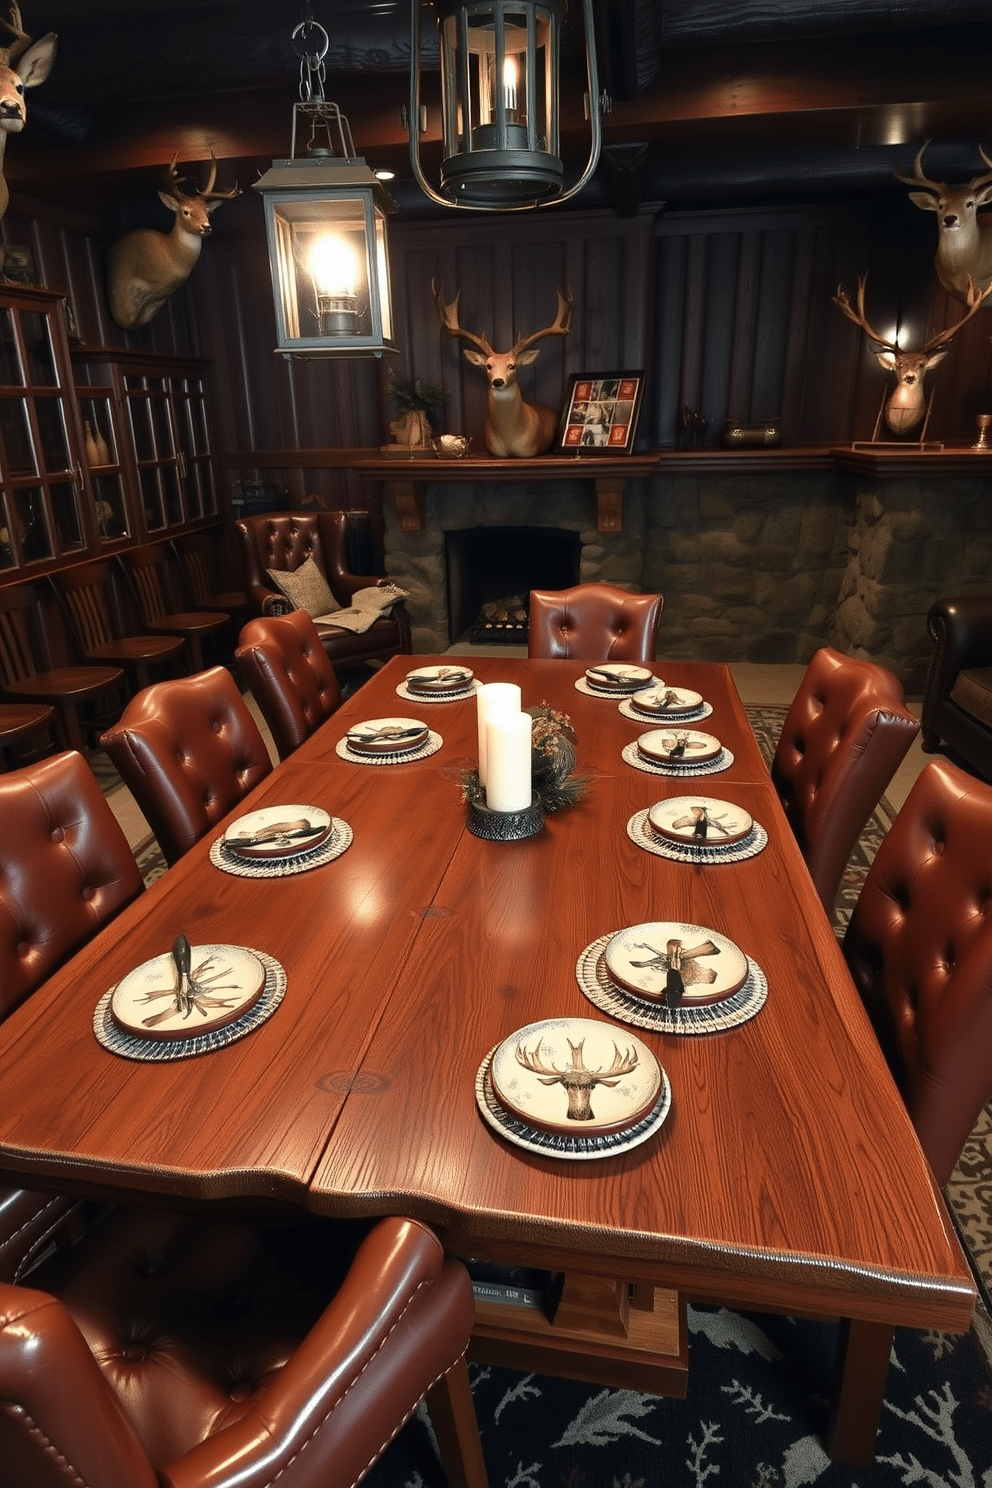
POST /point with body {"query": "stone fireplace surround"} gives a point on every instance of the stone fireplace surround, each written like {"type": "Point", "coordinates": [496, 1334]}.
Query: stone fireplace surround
{"type": "Point", "coordinates": [762, 567]}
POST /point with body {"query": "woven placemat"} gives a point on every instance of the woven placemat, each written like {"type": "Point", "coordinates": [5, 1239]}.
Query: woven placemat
{"type": "Point", "coordinates": [632, 756]}
{"type": "Point", "coordinates": [674, 720]}
{"type": "Point", "coordinates": [332, 847]}
{"type": "Point", "coordinates": [595, 983]}
{"type": "Point", "coordinates": [639, 830]}
{"type": "Point", "coordinates": [131, 1046]}
{"type": "Point", "coordinates": [441, 697]}
{"type": "Point", "coordinates": [399, 757]}
{"type": "Point", "coordinates": [581, 685]}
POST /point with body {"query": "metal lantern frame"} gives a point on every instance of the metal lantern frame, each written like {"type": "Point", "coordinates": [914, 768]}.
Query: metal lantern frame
{"type": "Point", "coordinates": [330, 193]}
{"type": "Point", "coordinates": [500, 87]}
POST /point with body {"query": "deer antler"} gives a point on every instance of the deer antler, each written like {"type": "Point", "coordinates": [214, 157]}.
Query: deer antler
{"type": "Point", "coordinates": [858, 317]}
{"type": "Point", "coordinates": [938, 187]}
{"type": "Point", "coordinates": [534, 1063]}
{"type": "Point", "coordinates": [9, 55]}
{"type": "Point", "coordinates": [560, 326]}
{"type": "Point", "coordinates": [208, 193]}
{"type": "Point", "coordinates": [622, 1065]}
{"type": "Point", "coordinates": [449, 320]}
{"type": "Point", "coordinates": [975, 300]}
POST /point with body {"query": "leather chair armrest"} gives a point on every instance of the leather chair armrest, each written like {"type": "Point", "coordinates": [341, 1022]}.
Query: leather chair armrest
{"type": "Point", "coordinates": [400, 1320]}
{"type": "Point", "coordinates": [275, 604]}
{"type": "Point", "coordinates": [30, 1223]}
{"type": "Point", "coordinates": [47, 1368]}
{"type": "Point", "coordinates": [961, 628]}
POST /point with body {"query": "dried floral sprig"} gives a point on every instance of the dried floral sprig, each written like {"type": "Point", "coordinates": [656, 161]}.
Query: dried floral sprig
{"type": "Point", "coordinates": [414, 397]}
{"type": "Point", "coordinates": [552, 756]}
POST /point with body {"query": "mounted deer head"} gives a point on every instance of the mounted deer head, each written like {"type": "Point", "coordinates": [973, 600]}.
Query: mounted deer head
{"type": "Point", "coordinates": [513, 428]}
{"type": "Point", "coordinates": [964, 241]}
{"type": "Point", "coordinates": [904, 408]}
{"type": "Point", "coordinates": [145, 267]}
{"type": "Point", "coordinates": [21, 66]}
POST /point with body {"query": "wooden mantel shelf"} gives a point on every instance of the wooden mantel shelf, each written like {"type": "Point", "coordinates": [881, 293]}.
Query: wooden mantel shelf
{"type": "Point", "coordinates": [406, 479]}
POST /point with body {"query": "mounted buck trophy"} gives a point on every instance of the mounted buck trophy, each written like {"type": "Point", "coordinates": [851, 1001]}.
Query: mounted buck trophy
{"type": "Point", "coordinates": [21, 66]}
{"type": "Point", "coordinates": [146, 266]}
{"type": "Point", "coordinates": [513, 428]}
{"type": "Point", "coordinates": [904, 407]}
{"type": "Point", "coordinates": [964, 241]}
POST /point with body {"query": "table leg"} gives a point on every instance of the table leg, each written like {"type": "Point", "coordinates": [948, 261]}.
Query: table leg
{"type": "Point", "coordinates": [862, 1367]}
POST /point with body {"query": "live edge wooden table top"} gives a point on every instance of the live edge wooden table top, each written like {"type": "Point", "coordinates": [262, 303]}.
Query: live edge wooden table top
{"type": "Point", "coordinates": [786, 1176]}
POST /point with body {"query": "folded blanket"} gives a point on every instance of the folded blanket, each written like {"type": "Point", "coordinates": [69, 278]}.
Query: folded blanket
{"type": "Point", "coordinates": [365, 608]}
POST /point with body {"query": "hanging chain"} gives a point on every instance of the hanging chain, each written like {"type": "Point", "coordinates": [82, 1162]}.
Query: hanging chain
{"type": "Point", "coordinates": [311, 43]}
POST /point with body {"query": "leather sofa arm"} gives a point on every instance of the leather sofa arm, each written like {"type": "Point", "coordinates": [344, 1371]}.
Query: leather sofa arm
{"type": "Point", "coordinates": [961, 628]}
{"type": "Point", "coordinates": [334, 1407]}
{"type": "Point", "coordinates": [30, 1223]}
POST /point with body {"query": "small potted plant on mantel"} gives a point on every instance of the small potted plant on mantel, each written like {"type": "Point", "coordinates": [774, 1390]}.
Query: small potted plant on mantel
{"type": "Point", "coordinates": [415, 405]}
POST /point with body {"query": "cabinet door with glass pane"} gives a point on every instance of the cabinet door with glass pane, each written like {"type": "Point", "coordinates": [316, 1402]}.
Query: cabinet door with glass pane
{"type": "Point", "coordinates": [45, 504]}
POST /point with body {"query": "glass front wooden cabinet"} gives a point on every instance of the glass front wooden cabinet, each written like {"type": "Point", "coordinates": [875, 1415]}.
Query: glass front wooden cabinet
{"type": "Point", "coordinates": [46, 508]}
{"type": "Point", "coordinates": [148, 419]}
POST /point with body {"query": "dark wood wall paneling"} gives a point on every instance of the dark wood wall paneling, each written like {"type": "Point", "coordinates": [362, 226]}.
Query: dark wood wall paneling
{"type": "Point", "coordinates": [728, 311]}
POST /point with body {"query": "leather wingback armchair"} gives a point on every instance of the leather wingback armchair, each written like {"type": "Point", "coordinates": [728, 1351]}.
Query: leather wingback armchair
{"type": "Point", "coordinates": [170, 1351]}
{"type": "Point", "coordinates": [845, 734]}
{"type": "Point", "coordinates": [188, 750]}
{"type": "Point", "coordinates": [291, 679]}
{"type": "Point", "coordinates": [285, 540]}
{"type": "Point", "coordinates": [957, 698]}
{"type": "Point", "coordinates": [919, 947]}
{"type": "Point", "coordinates": [594, 622]}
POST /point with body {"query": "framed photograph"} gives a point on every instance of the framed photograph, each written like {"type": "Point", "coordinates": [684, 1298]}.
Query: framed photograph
{"type": "Point", "coordinates": [600, 414]}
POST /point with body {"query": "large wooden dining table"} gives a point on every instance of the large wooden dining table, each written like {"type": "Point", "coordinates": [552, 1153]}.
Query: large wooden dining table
{"type": "Point", "coordinates": [786, 1176]}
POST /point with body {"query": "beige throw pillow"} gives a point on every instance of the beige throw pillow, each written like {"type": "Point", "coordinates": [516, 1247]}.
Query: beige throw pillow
{"type": "Point", "coordinates": [305, 588]}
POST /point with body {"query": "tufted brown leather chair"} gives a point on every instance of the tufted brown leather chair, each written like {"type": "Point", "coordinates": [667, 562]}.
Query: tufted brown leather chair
{"type": "Point", "coordinates": [65, 870]}
{"type": "Point", "coordinates": [594, 622]}
{"type": "Point", "coordinates": [844, 736]}
{"type": "Point", "coordinates": [188, 750]}
{"type": "Point", "coordinates": [292, 681]}
{"type": "Point", "coordinates": [919, 946]}
{"type": "Point", "coordinates": [284, 540]}
{"type": "Point", "coordinates": [957, 699]}
{"type": "Point", "coordinates": [170, 1351]}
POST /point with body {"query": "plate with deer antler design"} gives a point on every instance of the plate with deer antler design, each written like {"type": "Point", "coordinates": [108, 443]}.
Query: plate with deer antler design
{"type": "Point", "coordinates": [577, 1076]}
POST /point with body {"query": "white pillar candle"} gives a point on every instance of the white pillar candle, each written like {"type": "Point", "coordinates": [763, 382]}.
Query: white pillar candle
{"type": "Point", "coordinates": [508, 744]}
{"type": "Point", "coordinates": [492, 698]}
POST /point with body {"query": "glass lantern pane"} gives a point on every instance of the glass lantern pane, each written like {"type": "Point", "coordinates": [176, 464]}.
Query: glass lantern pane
{"type": "Point", "coordinates": [325, 257]}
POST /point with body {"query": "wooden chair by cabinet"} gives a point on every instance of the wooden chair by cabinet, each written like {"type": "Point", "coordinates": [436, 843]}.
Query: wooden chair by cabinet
{"type": "Point", "coordinates": [27, 674]}
{"type": "Point", "coordinates": [89, 601]}
{"type": "Point", "coordinates": [25, 726]}
{"type": "Point", "coordinates": [146, 569]}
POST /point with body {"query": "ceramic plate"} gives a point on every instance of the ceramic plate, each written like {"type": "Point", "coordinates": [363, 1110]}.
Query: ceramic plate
{"type": "Point", "coordinates": [277, 832]}
{"type": "Point", "coordinates": [666, 702]}
{"type": "Point", "coordinates": [700, 821]}
{"type": "Point", "coordinates": [226, 982]}
{"type": "Point", "coordinates": [387, 735]}
{"type": "Point", "coordinates": [617, 676]}
{"type": "Point", "coordinates": [576, 1076]}
{"type": "Point", "coordinates": [675, 746]}
{"type": "Point", "coordinates": [440, 679]}
{"type": "Point", "coordinates": [643, 958]}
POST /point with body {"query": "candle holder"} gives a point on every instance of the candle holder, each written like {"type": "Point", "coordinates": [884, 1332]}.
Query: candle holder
{"type": "Point", "coordinates": [984, 422]}
{"type": "Point", "coordinates": [504, 826]}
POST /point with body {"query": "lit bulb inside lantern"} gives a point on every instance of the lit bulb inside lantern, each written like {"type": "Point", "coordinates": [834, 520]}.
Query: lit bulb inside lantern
{"type": "Point", "coordinates": [509, 83]}
{"type": "Point", "coordinates": [334, 266]}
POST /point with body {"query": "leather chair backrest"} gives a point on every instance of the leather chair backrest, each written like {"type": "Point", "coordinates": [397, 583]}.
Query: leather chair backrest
{"type": "Point", "coordinates": [284, 663]}
{"type": "Point", "coordinates": [919, 947]}
{"type": "Point", "coordinates": [65, 869]}
{"type": "Point", "coordinates": [189, 751]}
{"type": "Point", "coordinates": [594, 622]}
{"type": "Point", "coordinates": [844, 736]}
{"type": "Point", "coordinates": [285, 540]}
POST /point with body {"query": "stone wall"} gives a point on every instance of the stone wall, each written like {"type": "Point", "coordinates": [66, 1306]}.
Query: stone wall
{"type": "Point", "coordinates": [762, 568]}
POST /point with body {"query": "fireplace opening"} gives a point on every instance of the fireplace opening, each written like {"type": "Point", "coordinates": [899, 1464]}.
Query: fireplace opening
{"type": "Point", "coordinates": [493, 569]}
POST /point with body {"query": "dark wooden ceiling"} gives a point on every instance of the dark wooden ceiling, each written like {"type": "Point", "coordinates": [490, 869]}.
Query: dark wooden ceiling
{"type": "Point", "coordinates": [726, 96]}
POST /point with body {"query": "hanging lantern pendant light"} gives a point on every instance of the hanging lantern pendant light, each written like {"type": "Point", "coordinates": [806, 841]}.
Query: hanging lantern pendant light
{"type": "Point", "coordinates": [499, 98]}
